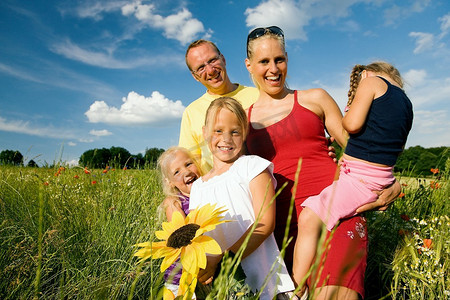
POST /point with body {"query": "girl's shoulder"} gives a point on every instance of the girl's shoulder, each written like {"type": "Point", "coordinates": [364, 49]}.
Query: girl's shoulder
{"type": "Point", "coordinates": [251, 165]}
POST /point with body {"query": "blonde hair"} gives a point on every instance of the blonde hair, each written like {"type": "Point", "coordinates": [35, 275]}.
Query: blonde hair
{"type": "Point", "coordinates": [251, 50]}
{"type": "Point", "coordinates": [163, 165]}
{"type": "Point", "coordinates": [230, 104]}
{"type": "Point", "coordinates": [379, 67]}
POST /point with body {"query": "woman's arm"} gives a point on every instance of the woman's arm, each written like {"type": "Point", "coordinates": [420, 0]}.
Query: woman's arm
{"type": "Point", "coordinates": [331, 115]}
{"type": "Point", "coordinates": [385, 198]}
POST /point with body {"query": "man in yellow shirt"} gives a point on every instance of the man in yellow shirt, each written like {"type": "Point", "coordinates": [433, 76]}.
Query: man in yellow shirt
{"type": "Point", "coordinates": [208, 66]}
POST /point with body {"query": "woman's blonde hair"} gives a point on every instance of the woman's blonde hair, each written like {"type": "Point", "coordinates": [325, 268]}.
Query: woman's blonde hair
{"type": "Point", "coordinates": [379, 67]}
{"type": "Point", "coordinates": [230, 104]}
{"type": "Point", "coordinates": [163, 165]}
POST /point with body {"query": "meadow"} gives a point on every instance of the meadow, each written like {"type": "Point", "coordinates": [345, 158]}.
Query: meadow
{"type": "Point", "coordinates": [69, 233]}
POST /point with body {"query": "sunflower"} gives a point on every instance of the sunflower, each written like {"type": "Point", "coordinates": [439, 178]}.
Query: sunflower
{"type": "Point", "coordinates": [183, 237]}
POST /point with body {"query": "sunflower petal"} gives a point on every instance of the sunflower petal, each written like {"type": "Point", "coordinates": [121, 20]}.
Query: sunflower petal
{"type": "Point", "coordinates": [168, 294]}
{"type": "Point", "coordinates": [189, 259]}
{"type": "Point", "coordinates": [188, 282]}
{"type": "Point", "coordinates": [170, 258]}
{"type": "Point", "coordinates": [209, 244]}
{"type": "Point", "coordinates": [199, 250]}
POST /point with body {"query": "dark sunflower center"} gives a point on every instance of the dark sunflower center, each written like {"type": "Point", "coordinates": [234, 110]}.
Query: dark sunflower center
{"type": "Point", "coordinates": [182, 236]}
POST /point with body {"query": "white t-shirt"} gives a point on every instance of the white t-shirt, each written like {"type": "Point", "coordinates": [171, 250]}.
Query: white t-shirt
{"type": "Point", "coordinates": [232, 190]}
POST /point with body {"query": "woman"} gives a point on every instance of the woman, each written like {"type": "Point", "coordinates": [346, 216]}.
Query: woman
{"type": "Point", "coordinates": [286, 125]}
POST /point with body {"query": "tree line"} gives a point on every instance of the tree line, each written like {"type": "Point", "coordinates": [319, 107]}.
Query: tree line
{"type": "Point", "coordinates": [95, 158]}
{"type": "Point", "coordinates": [414, 161]}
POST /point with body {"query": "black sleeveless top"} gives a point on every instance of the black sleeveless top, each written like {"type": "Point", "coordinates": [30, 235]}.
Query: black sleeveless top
{"type": "Point", "coordinates": [383, 136]}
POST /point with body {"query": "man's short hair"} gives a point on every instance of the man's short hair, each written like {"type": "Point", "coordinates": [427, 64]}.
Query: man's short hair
{"type": "Point", "coordinates": [197, 43]}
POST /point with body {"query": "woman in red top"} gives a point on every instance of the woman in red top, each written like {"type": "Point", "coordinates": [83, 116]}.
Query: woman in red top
{"type": "Point", "coordinates": [286, 125]}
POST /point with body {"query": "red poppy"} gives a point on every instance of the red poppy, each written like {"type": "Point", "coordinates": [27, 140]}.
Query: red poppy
{"type": "Point", "coordinates": [427, 243]}
{"type": "Point", "coordinates": [125, 168]}
{"type": "Point", "coordinates": [105, 171]}
{"type": "Point", "coordinates": [401, 195]}
{"type": "Point", "coordinates": [46, 183]}
{"type": "Point", "coordinates": [404, 217]}
{"type": "Point", "coordinates": [76, 176]}
{"type": "Point", "coordinates": [94, 182]}
{"type": "Point", "coordinates": [435, 185]}
{"type": "Point", "coordinates": [402, 232]}
{"type": "Point", "coordinates": [86, 171]}
{"type": "Point", "coordinates": [434, 171]}
{"type": "Point", "coordinates": [404, 184]}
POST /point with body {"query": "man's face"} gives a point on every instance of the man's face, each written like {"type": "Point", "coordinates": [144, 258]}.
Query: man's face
{"type": "Point", "coordinates": [208, 67]}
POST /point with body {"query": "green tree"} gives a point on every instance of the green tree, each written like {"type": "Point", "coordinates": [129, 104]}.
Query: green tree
{"type": "Point", "coordinates": [32, 164]}
{"type": "Point", "coordinates": [95, 158]}
{"type": "Point", "coordinates": [151, 155]}
{"type": "Point", "coordinates": [119, 156]}
{"type": "Point", "coordinates": [10, 157]}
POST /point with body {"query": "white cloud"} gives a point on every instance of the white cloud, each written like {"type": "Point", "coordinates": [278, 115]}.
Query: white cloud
{"type": "Point", "coordinates": [106, 59]}
{"type": "Point", "coordinates": [94, 10]}
{"type": "Point", "coordinates": [424, 41]}
{"type": "Point", "coordinates": [294, 16]}
{"type": "Point", "coordinates": [137, 110]}
{"type": "Point", "coordinates": [72, 144]}
{"type": "Point", "coordinates": [445, 25]}
{"type": "Point", "coordinates": [103, 132]}
{"type": "Point", "coordinates": [280, 13]}
{"type": "Point", "coordinates": [415, 77]}
{"type": "Point", "coordinates": [425, 91]}
{"type": "Point", "coordinates": [430, 129]}
{"type": "Point", "coordinates": [24, 127]}
{"type": "Point", "coordinates": [180, 26]}
{"type": "Point", "coordinates": [72, 163]}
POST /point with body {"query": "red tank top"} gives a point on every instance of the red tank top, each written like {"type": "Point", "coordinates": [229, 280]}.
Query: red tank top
{"type": "Point", "coordinates": [299, 134]}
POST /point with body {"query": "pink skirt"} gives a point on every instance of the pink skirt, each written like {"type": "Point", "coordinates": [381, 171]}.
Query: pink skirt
{"type": "Point", "coordinates": [353, 189]}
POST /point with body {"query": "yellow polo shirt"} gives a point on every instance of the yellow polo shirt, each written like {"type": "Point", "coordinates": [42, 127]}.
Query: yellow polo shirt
{"type": "Point", "coordinates": [193, 120]}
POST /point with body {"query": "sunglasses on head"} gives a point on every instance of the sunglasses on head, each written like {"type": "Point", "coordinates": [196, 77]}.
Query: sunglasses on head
{"type": "Point", "coordinates": [258, 32]}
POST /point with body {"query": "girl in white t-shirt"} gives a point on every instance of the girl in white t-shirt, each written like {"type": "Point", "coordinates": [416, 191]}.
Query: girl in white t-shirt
{"type": "Point", "coordinates": [245, 186]}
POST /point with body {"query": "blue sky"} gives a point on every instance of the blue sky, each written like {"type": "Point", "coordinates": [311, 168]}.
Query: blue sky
{"type": "Point", "coordinates": [79, 75]}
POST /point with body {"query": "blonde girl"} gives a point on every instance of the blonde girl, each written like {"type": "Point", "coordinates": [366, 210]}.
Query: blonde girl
{"type": "Point", "coordinates": [378, 119]}
{"type": "Point", "coordinates": [244, 185]}
{"type": "Point", "coordinates": [178, 170]}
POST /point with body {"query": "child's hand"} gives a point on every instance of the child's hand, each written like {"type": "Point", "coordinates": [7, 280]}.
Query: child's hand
{"type": "Point", "coordinates": [205, 276]}
{"type": "Point", "coordinates": [331, 150]}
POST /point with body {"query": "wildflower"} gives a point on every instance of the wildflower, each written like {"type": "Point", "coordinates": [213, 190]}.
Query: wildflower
{"type": "Point", "coordinates": [402, 232]}
{"type": "Point", "coordinates": [401, 195]}
{"type": "Point", "coordinates": [45, 183]}
{"type": "Point", "coordinates": [76, 176]}
{"type": "Point", "coordinates": [184, 236]}
{"type": "Point", "coordinates": [435, 185]}
{"type": "Point", "coordinates": [94, 182]}
{"type": "Point", "coordinates": [404, 217]}
{"type": "Point", "coordinates": [427, 243]}
{"type": "Point", "coordinates": [124, 168]}
{"type": "Point", "coordinates": [86, 171]}
{"type": "Point", "coordinates": [434, 171]}
{"type": "Point", "coordinates": [404, 184]}
{"type": "Point", "coordinates": [105, 171]}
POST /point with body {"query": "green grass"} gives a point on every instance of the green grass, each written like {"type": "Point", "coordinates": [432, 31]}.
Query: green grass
{"type": "Point", "coordinates": [63, 237]}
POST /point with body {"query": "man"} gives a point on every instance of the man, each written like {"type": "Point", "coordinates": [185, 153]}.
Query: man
{"type": "Point", "coordinates": [208, 66]}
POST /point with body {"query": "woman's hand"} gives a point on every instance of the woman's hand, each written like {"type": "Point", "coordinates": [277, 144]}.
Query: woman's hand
{"type": "Point", "coordinates": [385, 198]}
